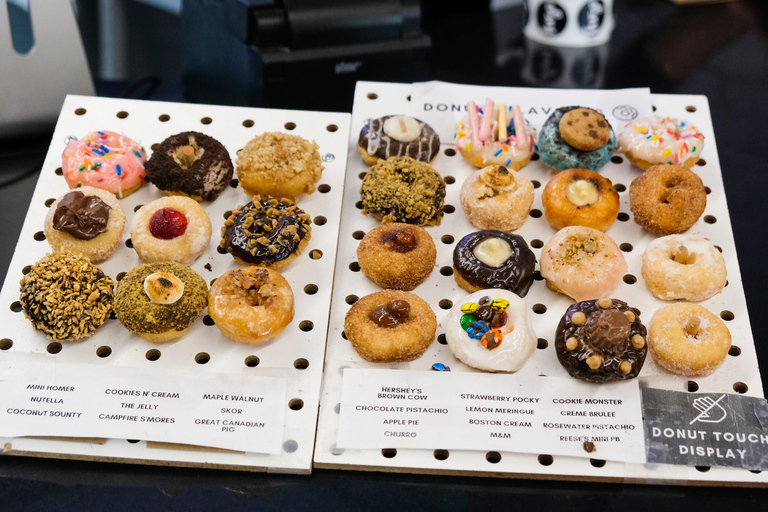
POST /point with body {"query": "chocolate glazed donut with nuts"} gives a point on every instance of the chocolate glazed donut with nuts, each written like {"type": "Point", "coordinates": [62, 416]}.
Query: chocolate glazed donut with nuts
{"type": "Point", "coordinates": [601, 341]}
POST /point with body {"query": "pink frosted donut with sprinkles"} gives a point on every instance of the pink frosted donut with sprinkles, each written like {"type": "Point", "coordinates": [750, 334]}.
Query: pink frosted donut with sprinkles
{"type": "Point", "coordinates": [105, 160]}
{"type": "Point", "coordinates": [495, 135]}
{"type": "Point", "coordinates": [650, 141]}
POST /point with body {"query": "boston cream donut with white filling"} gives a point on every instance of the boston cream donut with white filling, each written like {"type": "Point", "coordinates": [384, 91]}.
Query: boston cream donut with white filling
{"type": "Point", "coordinates": [580, 197]}
{"type": "Point", "coordinates": [490, 330]}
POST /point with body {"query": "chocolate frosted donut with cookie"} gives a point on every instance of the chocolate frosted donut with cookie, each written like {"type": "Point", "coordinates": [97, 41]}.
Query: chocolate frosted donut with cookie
{"type": "Point", "coordinates": [576, 137]}
{"type": "Point", "coordinates": [601, 340]}
{"type": "Point", "coordinates": [398, 135]}
{"type": "Point", "coordinates": [266, 232]}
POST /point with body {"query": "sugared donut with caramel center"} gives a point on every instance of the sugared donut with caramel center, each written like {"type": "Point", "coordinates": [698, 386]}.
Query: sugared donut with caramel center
{"type": "Point", "coordinates": [397, 256]}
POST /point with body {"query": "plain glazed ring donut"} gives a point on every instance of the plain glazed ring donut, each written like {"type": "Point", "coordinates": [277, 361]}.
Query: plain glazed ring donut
{"type": "Point", "coordinates": [491, 330]}
{"type": "Point", "coordinates": [688, 339]}
{"type": "Point", "coordinates": [658, 140]}
{"type": "Point", "coordinates": [580, 197]}
{"type": "Point", "coordinates": [173, 228]}
{"type": "Point", "coordinates": [399, 135]}
{"type": "Point", "coordinates": [497, 198]}
{"type": "Point", "coordinates": [390, 326]}
{"type": "Point", "coordinates": [495, 135]}
{"type": "Point", "coordinates": [397, 256]}
{"type": "Point", "coordinates": [266, 232]}
{"type": "Point", "coordinates": [494, 259]}
{"type": "Point", "coordinates": [160, 301]}
{"type": "Point", "coordinates": [683, 267]}
{"type": "Point", "coordinates": [251, 305]}
{"type": "Point", "coordinates": [667, 199]}
{"type": "Point", "coordinates": [601, 340]}
{"type": "Point", "coordinates": [583, 263]}
{"type": "Point", "coordinates": [190, 164]}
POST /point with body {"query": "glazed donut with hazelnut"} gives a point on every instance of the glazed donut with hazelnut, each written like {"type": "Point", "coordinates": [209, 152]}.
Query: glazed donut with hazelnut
{"type": "Point", "coordinates": [580, 197]}
{"type": "Point", "coordinates": [251, 305]}
{"type": "Point", "coordinates": [397, 256]}
{"type": "Point", "coordinates": [497, 198]}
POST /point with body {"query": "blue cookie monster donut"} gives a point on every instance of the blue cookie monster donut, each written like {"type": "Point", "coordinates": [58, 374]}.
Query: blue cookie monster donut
{"type": "Point", "coordinates": [558, 154]}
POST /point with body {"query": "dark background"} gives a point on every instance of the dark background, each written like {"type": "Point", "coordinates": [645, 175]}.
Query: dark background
{"type": "Point", "coordinates": [718, 50]}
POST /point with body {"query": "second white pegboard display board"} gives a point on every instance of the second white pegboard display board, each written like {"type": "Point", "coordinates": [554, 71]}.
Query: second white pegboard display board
{"type": "Point", "coordinates": [739, 373]}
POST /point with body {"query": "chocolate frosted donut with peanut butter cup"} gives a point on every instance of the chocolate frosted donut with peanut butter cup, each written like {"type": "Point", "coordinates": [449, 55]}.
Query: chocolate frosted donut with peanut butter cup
{"type": "Point", "coordinates": [266, 232]}
{"type": "Point", "coordinates": [494, 259]}
{"type": "Point", "coordinates": [601, 340]}
{"type": "Point", "coordinates": [397, 136]}
{"type": "Point", "coordinates": [397, 256]}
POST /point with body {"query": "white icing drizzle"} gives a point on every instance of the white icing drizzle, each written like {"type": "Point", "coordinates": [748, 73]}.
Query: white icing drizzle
{"type": "Point", "coordinates": [378, 137]}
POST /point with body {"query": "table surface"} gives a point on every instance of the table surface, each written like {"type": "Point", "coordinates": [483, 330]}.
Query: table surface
{"type": "Point", "coordinates": [718, 50]}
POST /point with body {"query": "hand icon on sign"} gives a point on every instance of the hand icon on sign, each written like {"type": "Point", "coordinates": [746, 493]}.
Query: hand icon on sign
{"type": "Point", "coordinates": [710, 410]}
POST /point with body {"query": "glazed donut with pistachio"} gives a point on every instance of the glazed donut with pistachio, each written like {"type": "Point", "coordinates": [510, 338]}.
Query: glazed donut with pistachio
{"type": "Point", "coordinates": [397, 135]}
{"type": "Point", "coordinates": [493, 259]}
{"type": "Point", "coordinates": [601, 340]}
{"type": "Point", "coordinates": [266, 232]}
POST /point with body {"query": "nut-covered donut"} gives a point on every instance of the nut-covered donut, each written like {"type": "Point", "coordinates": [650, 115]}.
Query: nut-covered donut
{"type": "Point", "coordinates": [173, 228]}
{"type": "Point", "coordinates": [251, 305]}
{"type": "Point", "coordinates": [491, 330]}
{"type": "Point", "coordinates": [688, 339]}
{"type": "Point", "coordinates": [580, 197]}
{"type": "Point", "coordinates": [497, 198]}
{"type": "Point", "coordinates": [402, 189]}
{"type": "Point", "coordinates": [390, 326]}
{"type": "Point", "coordinates": [279, 165]}
{"type": "Point", "coordinates": [398, 135]}
{"type": "Point", "coordinates": [683, 267]}
{"type": "Point", "coordinates": [88, 221]}
{"type": "Point", "coordinates": [667, 199]}
{"type": "Point", "coordinates": [191, 164]}
{"type": "Point", "coordinates": [493, 259]}
{"type": "Point", "coordinates": [601, 340]}
{"type": "Point", "coordinates": [266, 232]}
{"type": "Point", "coordinates": [583, 263]}
{"type": "Point", "coordinates": [160, 301]}
{"type": "Point", "coordinates": [559, 154]}
{"type": "Point", "coordinates": [397, 256]}
{"type": "Point", "coordinates": [66, 297]}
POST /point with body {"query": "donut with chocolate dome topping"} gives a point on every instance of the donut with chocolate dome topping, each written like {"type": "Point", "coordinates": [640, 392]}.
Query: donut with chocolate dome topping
{"type": "Point", "coordinates": [266, 232]}
{"type": "Point", "coordinates": [601, 340]}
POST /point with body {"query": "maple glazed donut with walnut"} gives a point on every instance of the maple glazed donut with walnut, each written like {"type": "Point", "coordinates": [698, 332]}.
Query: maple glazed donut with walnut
{"type": "Point", "coordinates": [667, 199]}
{"type": "Point", "coordinates": [251, 305]}
{"type": "Point", "coordinates": [266, 232]}
{"type": "Point", "coordinates": [580, 197]}
{"type": "Point", "coordinates": [397, 255]}
{"type": "Point", "coordinates": [496, 198]}
{"type": "Point", "coordinates": [390, 326]}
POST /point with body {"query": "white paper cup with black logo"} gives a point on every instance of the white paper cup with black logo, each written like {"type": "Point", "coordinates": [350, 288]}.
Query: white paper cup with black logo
{"type": "Point", "coordinates": [574, 23]}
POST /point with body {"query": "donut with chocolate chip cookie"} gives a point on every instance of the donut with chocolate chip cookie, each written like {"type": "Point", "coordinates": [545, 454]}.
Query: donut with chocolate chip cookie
{"type": "Point", "coordinates": [585, 129]}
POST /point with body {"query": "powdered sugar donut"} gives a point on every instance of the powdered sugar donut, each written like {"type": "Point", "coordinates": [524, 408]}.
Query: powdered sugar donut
{"type": "Point", "coordinates": [683, 267]}
{"type": "Point", "coordinates": [582, 263]}
{"type": "Point", "coordinates": [495, 135]}
{"type": "Point", "coordinates": [104, 160]}
{"type": "Point", "coordinates": [661, 140]}
{"type": "Point", "coordinates": [490, 330]}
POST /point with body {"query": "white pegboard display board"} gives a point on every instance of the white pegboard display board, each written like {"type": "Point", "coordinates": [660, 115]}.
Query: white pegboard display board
{"type": "Point", "coordinates": [296, 355]}
{"type": "Point", "coordinates": [739, 373]}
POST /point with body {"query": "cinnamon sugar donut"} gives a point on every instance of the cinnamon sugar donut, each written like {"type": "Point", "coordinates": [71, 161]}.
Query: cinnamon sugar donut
{"type": "Point", "coordinates": [397, 255]}
{"type": "Point", "coordinates": [683, 267]}
{"type": "Point", "coordinates": [580, 197]}
{"type": "Point", "coordinates": [667, 199]}
{"type": "Point", "coordinates": [688, 339]}
{"type": "Point", "coordinates": [583, 263]}
{"type": "Point", "coordinates": [251, 305]}
{"type": "Point", "coordinates": [390, 326]}
{"type": "Point", "coordinates": [173, 228]}
{"type": "Point", "coordinates": [497, 198]}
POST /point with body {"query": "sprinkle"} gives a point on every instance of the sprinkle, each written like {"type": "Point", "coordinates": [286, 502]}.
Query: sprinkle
{"type": "Point", "coordinates": [97, 152]}
{"type": "Point", "coordinates": [79, 185]}
{"type": "Point", "coordinates": [505, 147]}
{"type": "Point", "coordinates": [480, 160]}
{"type": "Point", "coordinates": [682, 124]}
{"type": "Point", "coordinates": [648, 137]}
{"type": "Point", "coordinates": [667, 152]}
{"type": "Point", "coordinates": [104, 148]}
{"type": "Point", "coordinates": [497, 153]}
{"type": "Point", "coordinates": [508, 162]}
{"type": "Point", "coordinates": [119, 170]}
{"type": "Point", "coordinates": [655, 137]}
{"type": "Point", "coordinates": [137, 153]}
{"type": "Point", "coordinates": [460, 123]}
{"type": "Point", "coordinates": [462, 133]}
{"type": "Point", "coordinates": [101, 133]}
{"type": "Point", "coordinates": [641, 130]}
{"type": "Point", "coordinates": [536, 147]}
{"type": "Point", "coordinates": [82, 168]}
{"type": "Point", "coordinates": [469, 148]}
{"type": "Point", "coordinates": [440, 367]}
{"type": "Point", "coordinates": [694, 149]}
{"type": "Point", "coordinates": [480, 110]}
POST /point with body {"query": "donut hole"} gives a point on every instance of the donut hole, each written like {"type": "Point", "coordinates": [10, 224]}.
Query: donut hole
{"type": "Point", "coordinates": [207, 320]}
{"type": "Point", "coordinates": [545, 460]}
{"type": "Point", "coordinates": [617, 160]}
{"type": "Point", "coordinates": [734, 351]}
{"type": "Point", "coordinates": [541, 344]}
{"type": "Point", "coordinates": [450, 152]}
{"type": "Point", "coordinates": [539, 309]}
{"type": "Point", "coordinates": [122, 114]}
{"type": "Point", "coordinates": [690, 108]}
{"type": "Point", "coordinates": [362, 174]}
{"type": "Point", "coordinates": [16, 307]}
{"type": "Point", "coordinates": [622, 217]}
{"type": "Point", "coordinates": [332, 128]}
{"type": "Point", "coordinates": [359, 205]}
{"type": "Point", "coordinates": [39, 236]}
{"type": "Point", "coordinates": [221, 250]}
{"type": "Point", "coordinates": [535, 213]}
{"type": "Point", "coordinates": [727, 315]}
{"type": "Point", "coordinates": [343, 335]}
{"type": "Point", "coordinates": [164, 118]}
{"type": "Point", "coordinates": [740, 387]}
{"type": "Point", "coordinates": [358, 235]}
{"type": "Point", "coordinates": [620, 187]}
{"type": "Point", "coordinates": [306, 325]}
{"type": "Point", "coordinates": [536, 243]}
{"type": "Point", "coordinates": [301, 364]}
{"type": "Point", "coordinates": [372, 96]}
{"type": "Point", "coordinates": [137, 207]}
{"type": "Point", "coordinates": [536, 183]}
{"type": "Point", "coordinates": [290, 446]}
{"type": "Point", "coordinates": [324, 188]}
{"type": "Point", "coordinates": [535, 157]}
{"type": "Point", "coordinates": [493, 457]}
{"type": "Point", "coordinates": [537, 276]}
{"type": "Point", "coordinates": [351, 299]}
{"type": "Point", "coordinates": [6, 344]}
{"type": "Point", "coordinates": [354, 266]}
{"type": "Point", "coordinates": [119, 277]}
{"type": "Point", "coordinates": [707, 190]}
{"type": "Point", "coordinates": [202, 358]}
{"type": "Point", "coordinates": [446, 271]}
{"type": "Point", "coordinates": [449, 208]}
{"type": "Point", "coordinates": [248, 123]}
{"type": "Point", "coordinates": [441, 454]}
{"type": "Point", "coordinates": [252, 361]}
{"type": "Point", "coordinates": [129, 243]}
{"type": "Point", "coordinates": [447, 239]}
{"type": "Point", "coordinates": [701, 161]}
{"type": "Point", "coordinates": [692, 386]}
{"type": "Point", "coordinates": [625, 247]}
{"type": "Point", "coordinates": [319, 220]}
{"type": "Point", "coordinates": [53, 348]}
{"type": "Point", "coordinates": [441, 339]}
{"type": "Point", "coordinates": [629, 279]}
{"type": "Point", "coordinates": [388, 453]}
{"type": "Point", "coordinates": [26, 269]}
{"type": "Point", "coordinates": [445, 304]}
{"type": "Point", "coordinates": [80, 111]}
{"type": "Point", "coordinates": [58, 172]}
{"type": "Point", "coordinates": [49, 202]}
{"type": "Point", "coordinates": [290, 126]}
{"type": "Point", "coordinates": [597, 463]}
{"type": "Point", "coordinates": [104, 351]}
{"type": "Point", "coordinates": [449, 180]}
{"type": "Point", "coordinates": [311, 289]}
{"type": "Point", "coordinates": [315, 254]}
{"type": "Point", "coordinates": [152, 354]}
{"type": "Point", "coordinates": [710, 219]}
{"type": "Point", "coordinates": [702, 469]}
{"type": "Point", "coordinates": [234, 183]}
{"type": "Point", "coordinates": [295, 404]}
